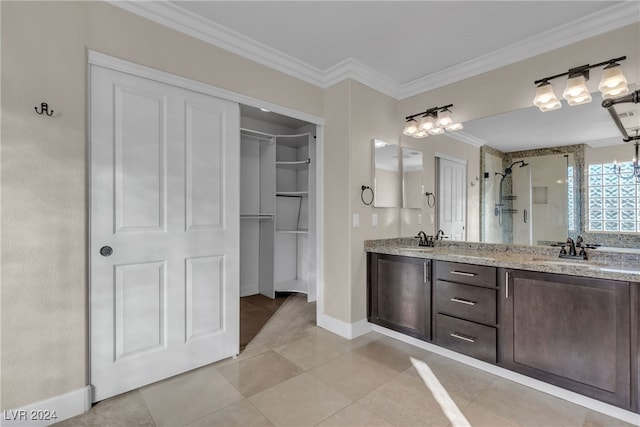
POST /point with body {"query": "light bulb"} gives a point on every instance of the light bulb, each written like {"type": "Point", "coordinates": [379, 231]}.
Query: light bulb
{"type": "Point", "coordinates": [427, 123]}
{"type": "Point", "coordinates": [545, 98]}
{"type": "Point", "coordinates": [576, 91]}
{"type": "Point", "coordinates": [420, 134]}
{"type": "Point", "coordinates": [410, 127]}
{"type": "Point", "coordinates": [436, 131]}
{"type": "Point", "coordinates": [582, 99]}
{"type": "Point", "coordinates": [613, 81]}
{"type": "Point", "coordinates": [454, 126]}
{"type": "Point", "coordinates": [380, 144]}
{"type": "Point", "coordinates": [550, 106]}
{"type": "Point", "coordinates": [444, 119]}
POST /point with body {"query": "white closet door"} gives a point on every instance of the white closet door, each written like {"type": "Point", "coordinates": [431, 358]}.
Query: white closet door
{"type": "Point", "coordinates": [164, 198]}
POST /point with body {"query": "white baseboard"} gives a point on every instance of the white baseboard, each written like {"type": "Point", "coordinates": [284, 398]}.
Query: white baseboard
{"type": "Point", "coordinates": [344, 329]}
{"type": "Point", "coordinates": [248, 290]}
{"type": "Point", "coordinates": [42, 413]}
{"type": "Point", "coordinates": [578, 399]}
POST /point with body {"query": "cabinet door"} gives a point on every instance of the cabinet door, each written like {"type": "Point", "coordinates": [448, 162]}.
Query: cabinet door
{"type": "Point", "coordinates": [400, 294]}
{"type": "Point", "coordinates": [570, 331]}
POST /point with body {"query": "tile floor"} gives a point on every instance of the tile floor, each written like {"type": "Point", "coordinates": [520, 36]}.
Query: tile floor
{"type": "Point", "coordinates": [255, 311]}
{"type": "Point", "coordinates": [296, 374]}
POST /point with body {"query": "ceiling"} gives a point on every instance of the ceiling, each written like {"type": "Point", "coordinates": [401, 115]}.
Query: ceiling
{"type": "Point", "coordinates": [403, 48]}
{"type": "Point", "coordinates": [400, 48]}
{"type": "Point", "coordinates": [403, 41]}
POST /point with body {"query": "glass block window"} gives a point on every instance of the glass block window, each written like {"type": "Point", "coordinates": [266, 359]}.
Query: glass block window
{"type": "Point", "coordinates": [571, 212]}
{"type": "Point", "coordinates": [613, 201]}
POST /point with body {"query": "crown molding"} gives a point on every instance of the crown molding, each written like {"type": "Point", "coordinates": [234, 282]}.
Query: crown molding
{"type": "Point", "coordinates": [353, 69]}
{"type": "Point", "coordinates": [191, 24]}
{"type": "Point", "coordinates": [187, 22]}
{"type": "Point", "coordinates": [592, 25]}
{"type": "Point", "coordinates": [467, 138]}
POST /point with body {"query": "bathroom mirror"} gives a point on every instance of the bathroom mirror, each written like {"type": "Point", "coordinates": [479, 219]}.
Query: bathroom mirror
{"type": "Point", "coordinates": [541, 140]}
{"type": "Point", "coordinates": [412, 185]}
{"type": "Point", "coordinates": [386, 174]}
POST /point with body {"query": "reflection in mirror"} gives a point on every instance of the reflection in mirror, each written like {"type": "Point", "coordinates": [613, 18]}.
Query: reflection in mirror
{"type": "Point", "coordinates": [386, 174]}
{"type": "Point", "coordinates": [530, 197]}
{"type": "Point", "coordinates": [412, 187]}
{"type": "Point", "coordinates": [549, 190]}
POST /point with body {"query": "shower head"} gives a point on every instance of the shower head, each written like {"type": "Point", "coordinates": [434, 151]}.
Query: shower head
{"type": "Point", "coordinates": [522, 164]}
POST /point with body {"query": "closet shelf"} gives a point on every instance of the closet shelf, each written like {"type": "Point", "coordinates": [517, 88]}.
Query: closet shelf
{"type": "Point", "coordinates": [292, 193]}
{"type": "Point", "coordinates": [245, 215]}
{"type": "Point", "coordinates": [295, 165]}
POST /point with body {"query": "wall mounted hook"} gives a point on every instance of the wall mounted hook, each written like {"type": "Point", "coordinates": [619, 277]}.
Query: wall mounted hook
{"type": "Point", "coordinates": [44, 109]}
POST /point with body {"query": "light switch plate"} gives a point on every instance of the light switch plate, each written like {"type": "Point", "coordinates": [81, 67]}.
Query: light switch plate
{"type": "Point", "coordinates": [419, 219]}
{"type": "Point", "coordinates": [374, 220]}
{"type": "Point", "coordinates": [356, 220]}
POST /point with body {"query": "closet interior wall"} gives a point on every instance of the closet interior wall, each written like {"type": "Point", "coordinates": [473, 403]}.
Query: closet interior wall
{"type": "Point", "coordinates": [277, 205]}
{"type": "Point", "coordinates": [257, 213]}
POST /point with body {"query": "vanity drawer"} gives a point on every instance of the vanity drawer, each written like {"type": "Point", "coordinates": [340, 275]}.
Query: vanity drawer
{"type": "Point", "coordinates": [467, 302]}
{"type": "Point", "coordinates": [470, 274]}
{"type": "Point", "coordinates": [466, 337]}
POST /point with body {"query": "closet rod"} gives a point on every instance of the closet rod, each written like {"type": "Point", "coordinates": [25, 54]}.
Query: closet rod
{"type": "Point", "coordinates": [255, 132]}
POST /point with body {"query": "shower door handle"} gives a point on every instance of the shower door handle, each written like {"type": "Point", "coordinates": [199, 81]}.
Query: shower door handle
{"type": "Point", "coordinates": [525, 215]}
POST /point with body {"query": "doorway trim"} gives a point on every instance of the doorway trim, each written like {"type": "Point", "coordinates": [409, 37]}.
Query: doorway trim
{"type": "Point", "coordinates": [117, 64]}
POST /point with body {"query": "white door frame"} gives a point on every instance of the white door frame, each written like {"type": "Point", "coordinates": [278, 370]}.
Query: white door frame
{"type": "Point", "coordinates": [437, 156]}
{"type": "Point", "coordinates": [107, 61]}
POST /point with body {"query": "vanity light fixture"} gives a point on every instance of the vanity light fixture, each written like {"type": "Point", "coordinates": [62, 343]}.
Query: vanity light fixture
{"type": "Point", "coordinates": [434, 121]}
{"type": "Point", "coordinates": [613, 83]}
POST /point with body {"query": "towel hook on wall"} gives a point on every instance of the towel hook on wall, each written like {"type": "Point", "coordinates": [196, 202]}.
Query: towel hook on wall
{"type": "Point", "coordinates": [44, 109]}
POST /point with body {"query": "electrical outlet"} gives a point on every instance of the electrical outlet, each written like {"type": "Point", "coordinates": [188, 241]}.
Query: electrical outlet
{"type": "Point", "coordinates": [356, 220]}
{"type": "Point", "coordinates": [432, 218]}
{"type": "Point", "coordinates": [374, 220]}
{"type": "Point", "coordinates": [419, 219]}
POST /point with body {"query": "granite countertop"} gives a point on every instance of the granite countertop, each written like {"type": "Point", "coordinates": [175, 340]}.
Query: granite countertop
{"type": "Point", "coordinates": [604, 263]}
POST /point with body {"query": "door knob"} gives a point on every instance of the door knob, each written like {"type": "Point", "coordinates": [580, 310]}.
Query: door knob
{"type": "Point", "coordinates": [106, 250]}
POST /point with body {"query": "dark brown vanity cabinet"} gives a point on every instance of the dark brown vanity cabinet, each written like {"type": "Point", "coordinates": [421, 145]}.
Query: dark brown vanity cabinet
{"type": "Point", "coordinates": [465, 310]}
{"type": "Point", "coordinates": [574, 332]}
{"type": "Point", "coordinates": [399, 294]}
